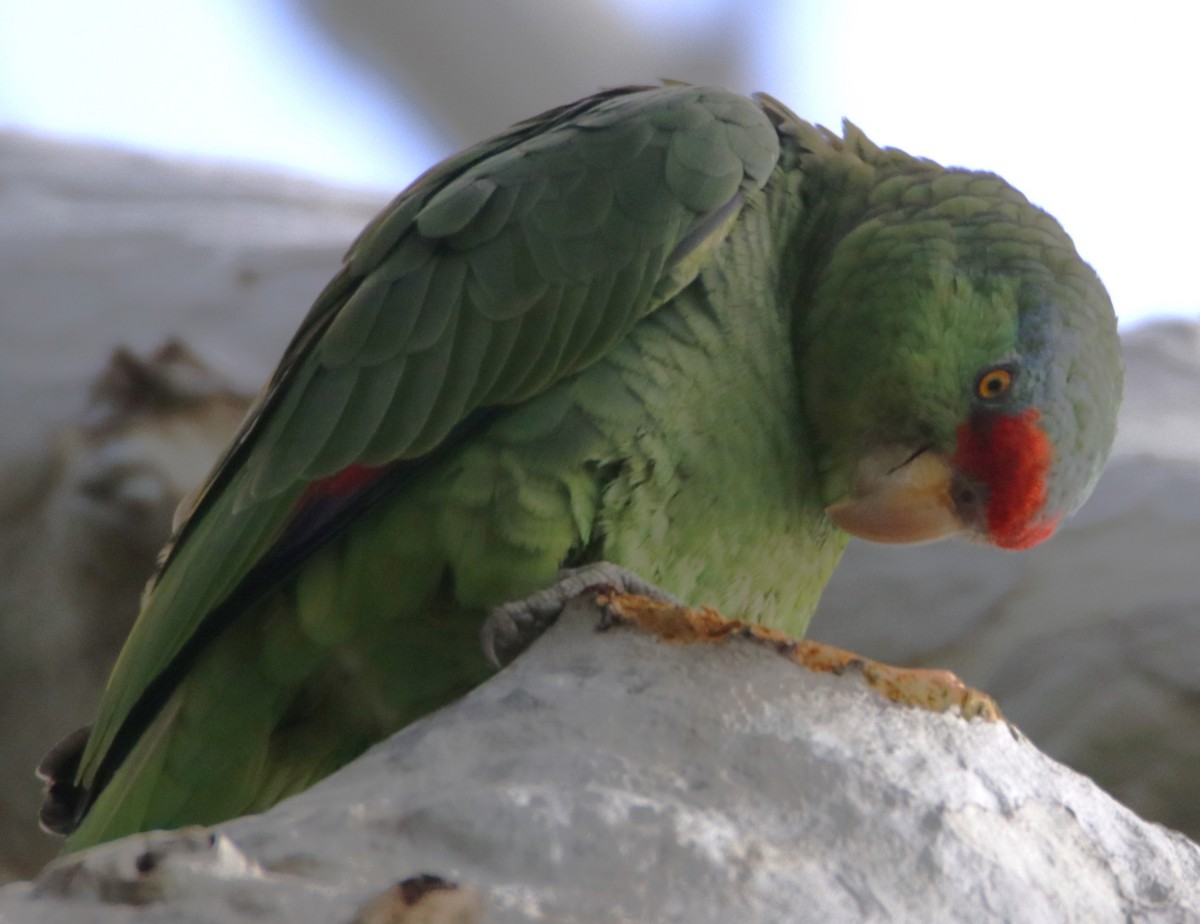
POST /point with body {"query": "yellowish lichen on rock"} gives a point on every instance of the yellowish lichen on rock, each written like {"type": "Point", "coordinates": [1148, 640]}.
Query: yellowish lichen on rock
{"type": "Point", "coordinates": [935, 690]}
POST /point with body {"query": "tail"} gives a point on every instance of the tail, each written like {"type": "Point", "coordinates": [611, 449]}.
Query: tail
{"type": "Point", "coordinates": [65, 801]}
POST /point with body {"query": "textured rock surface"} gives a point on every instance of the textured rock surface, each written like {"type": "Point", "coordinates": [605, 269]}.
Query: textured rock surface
{"type": "Point", "coordinates": [612, 777]}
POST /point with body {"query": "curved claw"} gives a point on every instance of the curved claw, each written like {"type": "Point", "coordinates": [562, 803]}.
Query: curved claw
{"type": "Point", "coordinates": [512, 627]}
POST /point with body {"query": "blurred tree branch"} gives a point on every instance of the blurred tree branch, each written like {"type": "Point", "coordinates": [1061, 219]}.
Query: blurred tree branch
{"type": "Point", "coordinates": [475, 68]}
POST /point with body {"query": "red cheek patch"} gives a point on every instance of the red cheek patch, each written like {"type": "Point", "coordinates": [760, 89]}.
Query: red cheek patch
{"type": "Point", "coordinates": [1011, 455]}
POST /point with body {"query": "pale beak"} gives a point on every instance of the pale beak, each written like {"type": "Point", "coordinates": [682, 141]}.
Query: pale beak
{"type": "Point", "coordinates": [905, 501]}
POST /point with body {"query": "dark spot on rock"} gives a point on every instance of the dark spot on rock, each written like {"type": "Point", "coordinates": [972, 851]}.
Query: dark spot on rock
{"type": "Point", "coordinates": [415, 888]}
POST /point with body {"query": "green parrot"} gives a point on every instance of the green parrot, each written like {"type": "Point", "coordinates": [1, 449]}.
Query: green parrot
{"type": "Point", "coordinates": [674, 330]}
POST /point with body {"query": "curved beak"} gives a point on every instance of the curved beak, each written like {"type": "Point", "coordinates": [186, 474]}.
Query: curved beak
{"type": "Point", "coordinates": [906, 502]}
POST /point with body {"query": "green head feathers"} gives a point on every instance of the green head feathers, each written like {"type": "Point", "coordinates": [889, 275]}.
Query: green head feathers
{"type": "Point", "coordinates": [954, 318]}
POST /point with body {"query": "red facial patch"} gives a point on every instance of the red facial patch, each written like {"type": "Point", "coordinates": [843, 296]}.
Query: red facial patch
{"type": "Point", "coordinates": [1011, 455]}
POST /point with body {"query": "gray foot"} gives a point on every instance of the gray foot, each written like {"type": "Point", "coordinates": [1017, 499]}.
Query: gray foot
{"type": "Point", "coordinates": [512, 627]}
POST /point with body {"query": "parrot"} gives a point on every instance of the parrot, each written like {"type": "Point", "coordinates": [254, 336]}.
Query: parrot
{"type": "Point", "coordinates": [672, 336]}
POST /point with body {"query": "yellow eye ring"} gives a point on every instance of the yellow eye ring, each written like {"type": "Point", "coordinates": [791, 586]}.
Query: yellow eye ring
{"type": "Point", "coordinates": [993, 383]}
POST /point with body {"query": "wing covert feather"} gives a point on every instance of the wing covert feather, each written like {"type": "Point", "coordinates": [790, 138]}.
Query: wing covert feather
{"type": "Point", "coordinates": [608, 194]}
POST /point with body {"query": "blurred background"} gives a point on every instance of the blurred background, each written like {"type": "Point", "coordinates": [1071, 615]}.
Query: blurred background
{"type": "Point", "coordinates": [1088, 108]}
{"type": "Point", "coordinates": [178, 181]}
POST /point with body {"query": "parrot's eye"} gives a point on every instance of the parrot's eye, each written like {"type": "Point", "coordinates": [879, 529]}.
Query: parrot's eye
{"type": "Point", "coordinates": [994, 383]}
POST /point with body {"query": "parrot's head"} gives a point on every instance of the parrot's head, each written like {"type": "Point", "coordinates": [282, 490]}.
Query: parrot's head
{"type": "Point", "coordinates": [962, 366]}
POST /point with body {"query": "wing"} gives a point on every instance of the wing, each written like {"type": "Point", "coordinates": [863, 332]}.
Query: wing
{"type": "Point", "coordinates": [497, 273]}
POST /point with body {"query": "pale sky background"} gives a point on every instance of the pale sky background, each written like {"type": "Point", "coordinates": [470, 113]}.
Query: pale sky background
{"type": "Point", "coordinates": [1089, 108]}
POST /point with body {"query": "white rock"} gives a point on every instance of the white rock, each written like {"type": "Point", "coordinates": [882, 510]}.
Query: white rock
{"type": "Point", "coordinates": [611, 777]}
{"type": "Point", "coordinates": [1160, 416]}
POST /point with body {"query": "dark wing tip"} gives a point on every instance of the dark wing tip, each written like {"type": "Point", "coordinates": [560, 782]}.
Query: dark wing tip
{"type": "Point", "coordinates": [65, 800]}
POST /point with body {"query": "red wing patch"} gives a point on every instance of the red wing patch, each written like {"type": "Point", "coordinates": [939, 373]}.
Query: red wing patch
{"type": "Point", "coordinates": [324, 501]}
{"type": "Point", "coordinates": [350, 480]}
